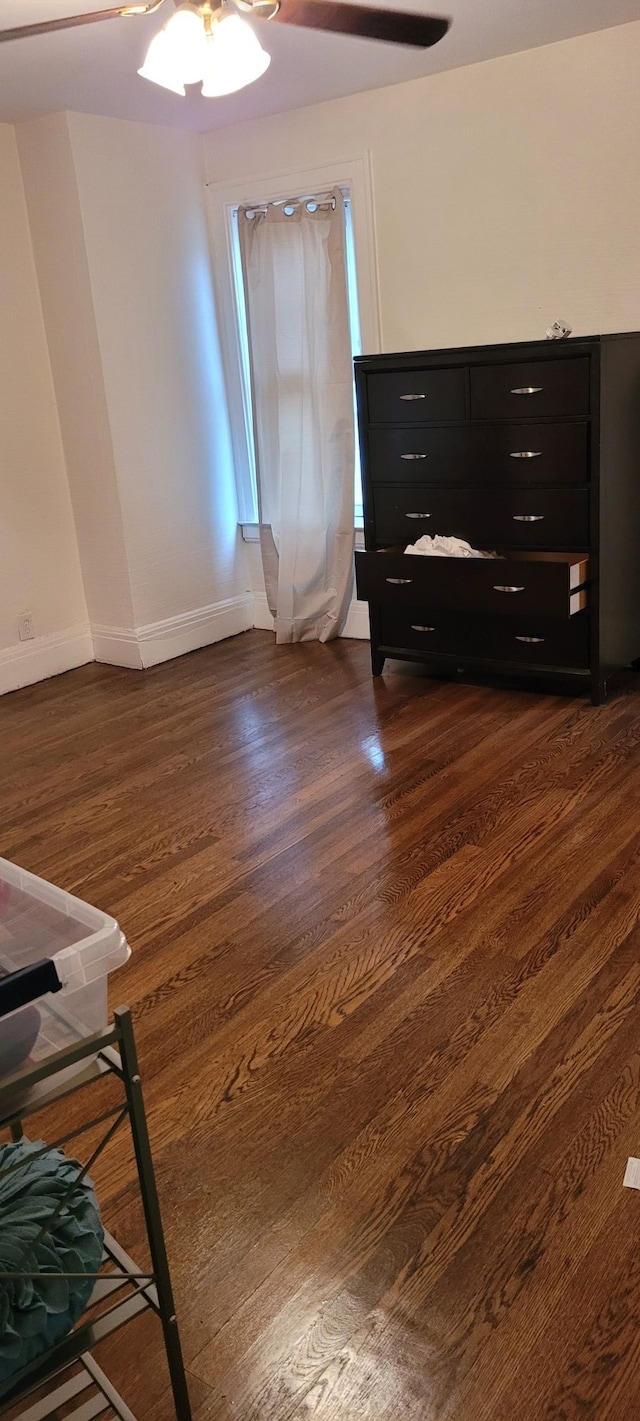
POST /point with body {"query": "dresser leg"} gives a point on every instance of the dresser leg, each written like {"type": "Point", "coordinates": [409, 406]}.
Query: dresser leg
{"type": "Point", "coordinates": [377, 662]}
{"type": "Point", "coordinates": [599, 691]}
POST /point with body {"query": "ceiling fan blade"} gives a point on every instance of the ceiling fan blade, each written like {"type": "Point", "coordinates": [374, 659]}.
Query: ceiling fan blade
{"type": "Point", "coordinates": [395, 26]}
{"type": "Point", "coordinates": [69, 22]}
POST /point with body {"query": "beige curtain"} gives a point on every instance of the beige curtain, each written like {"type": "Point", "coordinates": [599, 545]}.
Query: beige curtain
{"type": "Point", "coordinates": [294, 269]}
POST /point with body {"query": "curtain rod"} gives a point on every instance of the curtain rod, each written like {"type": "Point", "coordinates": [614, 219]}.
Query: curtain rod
{"type": "Point", "coordinates": [319, 199]}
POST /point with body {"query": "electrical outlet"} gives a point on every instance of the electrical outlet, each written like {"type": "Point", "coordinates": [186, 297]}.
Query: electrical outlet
{"type": "Point", "coordinates": [25, 627]}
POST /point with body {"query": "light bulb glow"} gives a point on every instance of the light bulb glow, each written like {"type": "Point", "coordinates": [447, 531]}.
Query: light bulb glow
{"type": "Point", "coordinates": [187, 36]}
{"type": "Point", "coordinates": [235, 57]}
{"type": "Point", "coordinates": [160, 65]}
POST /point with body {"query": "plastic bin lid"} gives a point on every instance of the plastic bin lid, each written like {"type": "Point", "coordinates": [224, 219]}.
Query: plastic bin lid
{"type": "Point", "coordinates": [39, 920]}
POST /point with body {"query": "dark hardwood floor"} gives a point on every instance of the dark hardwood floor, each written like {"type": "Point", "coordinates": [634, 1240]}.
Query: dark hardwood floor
{"type": "Point", "coordinates": [386, 987]}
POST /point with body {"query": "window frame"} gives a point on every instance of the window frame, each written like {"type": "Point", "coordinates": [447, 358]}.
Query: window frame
{"type": "Point", "coordinates": [354, 177]}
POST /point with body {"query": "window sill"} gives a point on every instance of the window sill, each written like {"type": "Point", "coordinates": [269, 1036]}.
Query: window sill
{"type": "Point", "coordinates": [251, 532]}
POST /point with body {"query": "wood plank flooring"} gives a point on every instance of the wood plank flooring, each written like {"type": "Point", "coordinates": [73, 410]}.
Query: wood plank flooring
{"type": "Point", "coordinates": [386, 988]}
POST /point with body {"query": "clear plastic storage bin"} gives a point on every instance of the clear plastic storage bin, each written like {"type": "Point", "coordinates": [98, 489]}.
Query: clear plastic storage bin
{"type": "Point", "coordinates": [42, 924]}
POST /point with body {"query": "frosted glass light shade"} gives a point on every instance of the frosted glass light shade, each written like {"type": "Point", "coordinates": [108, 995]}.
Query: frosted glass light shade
{"type": "Point", "coordinates": [187, 36]}
{"type": "Point", "coordinates": [234, 58]}
{"type": "Point", "coordinates": [160, 64]}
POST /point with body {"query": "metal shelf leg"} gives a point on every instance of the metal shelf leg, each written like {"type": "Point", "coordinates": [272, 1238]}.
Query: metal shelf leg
{"type": "Point", "coordinates": [151, 1208]}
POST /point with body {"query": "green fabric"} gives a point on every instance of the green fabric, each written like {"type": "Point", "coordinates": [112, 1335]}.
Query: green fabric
{"type": "Point", "coordinates": [37, 1312]}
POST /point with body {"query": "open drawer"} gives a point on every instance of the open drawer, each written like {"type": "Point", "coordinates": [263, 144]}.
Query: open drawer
{"type": "Point", "coordinates": [519, 584]}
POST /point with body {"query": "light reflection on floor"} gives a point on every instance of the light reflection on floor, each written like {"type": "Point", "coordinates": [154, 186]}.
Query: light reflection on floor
{"type": "Point", "coordinates": [374, 752]}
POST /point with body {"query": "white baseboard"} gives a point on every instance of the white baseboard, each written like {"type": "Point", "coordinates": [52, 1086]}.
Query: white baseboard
{"type": "Point", "coordinates": [161, 641]}
{"type": "Point", "coordinates": [116, 646]}
{"type": "Point", "coordinates": [356, 625]}
{"type": "Point", "coordinates": [261, 615]}
{"type": "Point", "coordinates": [44, 656]}
{"type": "Point", "coordinates": [32, 661]}
{"type": "Point", "coordinates": [173, 636]}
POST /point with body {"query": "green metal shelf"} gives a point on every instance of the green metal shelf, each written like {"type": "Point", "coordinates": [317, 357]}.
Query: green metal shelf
{"type": "Point", "coordinates": [69, 1366]}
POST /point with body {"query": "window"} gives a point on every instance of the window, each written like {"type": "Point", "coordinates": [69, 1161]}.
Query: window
{"type": "Point", "coordinates": [251, 501]}
{"type": "Point", "coordinates": [353, 177]}
{"type": "Point", "coordinates": [356, 347]}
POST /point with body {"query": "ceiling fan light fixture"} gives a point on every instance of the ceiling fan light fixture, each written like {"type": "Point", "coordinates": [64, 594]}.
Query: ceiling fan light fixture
{"type": "Point", "coordinates": [235, 57]}
{"type": "Point", "coordinates": [160, 65]}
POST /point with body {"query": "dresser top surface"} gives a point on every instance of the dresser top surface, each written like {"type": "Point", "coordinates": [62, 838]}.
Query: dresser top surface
{"type": "Point", "coordinates": [471, 354]}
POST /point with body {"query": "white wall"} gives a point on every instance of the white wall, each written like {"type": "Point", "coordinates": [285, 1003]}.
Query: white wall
{"type": "Point", "coordinates": [142, 201]}
{"type": "Point", "coordinates": [59, 244]}
{"type": "Point", "coordinates": [507, 194]}
{"type": "Point", "coordinates": [39, 564]}
{"type": "Point", "coordinates": [117, 212]}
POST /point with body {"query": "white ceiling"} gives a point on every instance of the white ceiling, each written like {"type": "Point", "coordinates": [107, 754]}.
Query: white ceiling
{"type": "Point", "coordinates": [93, 69]}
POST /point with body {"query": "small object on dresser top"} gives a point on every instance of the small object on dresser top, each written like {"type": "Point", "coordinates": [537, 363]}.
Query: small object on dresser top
{"type": "Point", "coordinates": [558, 331]}
{"type": "Point", "coordinates": [441, 546]}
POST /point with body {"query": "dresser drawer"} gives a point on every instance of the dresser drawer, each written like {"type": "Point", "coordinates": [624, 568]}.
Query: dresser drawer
{"type": "Point", "coordinates": [530, 389]}
{"type": "Point", "coordinates": [417, 395]}
{"type": "Point", "coordinates": [487, 518]}
{"type": "Point", "coordinates": [480, 453]}
{"type": "Point", "coordinates": [520, 641]}
{"type": "Point", "coordinates": [520, 585]}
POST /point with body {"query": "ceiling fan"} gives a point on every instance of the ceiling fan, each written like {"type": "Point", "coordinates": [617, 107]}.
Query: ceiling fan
{"type": "Point", "coordinates": [210, 42]}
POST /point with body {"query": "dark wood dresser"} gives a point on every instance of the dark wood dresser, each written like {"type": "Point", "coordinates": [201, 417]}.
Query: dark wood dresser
{"type": "Point", "coordinates": [529, 450]}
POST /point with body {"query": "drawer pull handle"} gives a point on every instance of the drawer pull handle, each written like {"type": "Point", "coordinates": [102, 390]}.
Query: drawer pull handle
{"type": "Point", "coordinates": [526, 454]}
{"type": "Point", "coordinates": [529, 638]}
{"type": "Point", "coordinates": [416, 628]}
{"type": "Point", "coordinates": [400, 581]}
{"type": "Point", "coordinates": [528, 390]}
{"type": "Point", "coordinates": [413, 397]}
{"type": "Point", "coordinates": [413, 456]}
{"type": "Point", "coordinates": [417, 515]}
{"type": "Point", "coordinates": [528, 517]}
{"type": "Point", "coordinates": [498, 588]}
